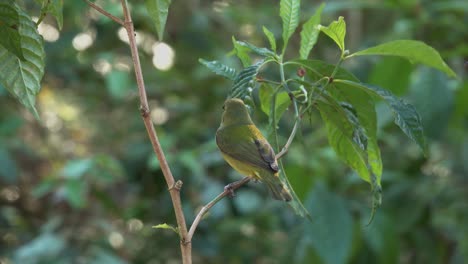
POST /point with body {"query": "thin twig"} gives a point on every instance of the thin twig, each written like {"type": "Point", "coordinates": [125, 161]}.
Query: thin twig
{"type": "Point", "coordinates": [228, 190]}
{"type": "Point", "coordinates": [105, 13]}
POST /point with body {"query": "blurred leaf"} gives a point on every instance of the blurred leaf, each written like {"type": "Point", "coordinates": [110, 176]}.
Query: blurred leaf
{"type": "Point", "coordinates": [289, 13]}
{"type": "Point", "coordinates": [158, 11]}
{"type": "Point", "coordinates": [414, 51]}
{"type": "Point", "coordinates": [406, 116]}
{"type": "Point", "coordinates": [22, 77]}
{"type": "Point", "coordinates": [9, 28]}
{"type": "Point", "coordinates": [75, 169]}
{"type": "Point", "coordinates": [336, 31]}
{"type": "Point", "coordinates": [271, 38]}
{"type": "Point", "coordinates": [8, 168]}
{"type": "Point", "coordinates": [433, 98]}
{"type": "Point", "coordinates": [219, 68]}
{"type": "Point", "coordinates": [75, 192]}
{"type": "Point", "coordinates": [331, 232]}
{"type": "Point", "coordinates": [106, 169]}
{"type": "Point", "coordinates": [118, 84]}
{"type": "Point", "coordinates": [393, 74]}
{"type": "Point", "coordinates": [102, 256]}
{"type": "Point", "coordinates": [383, 239]}
{"type": "Point", "coordinates": [166, 226]}
{"type": "Point", "coordinates": [310, 32]}
{"type": "Point", "coordinates": [45, 186]}
{"type": "Point", "coordinates": [43, 249]}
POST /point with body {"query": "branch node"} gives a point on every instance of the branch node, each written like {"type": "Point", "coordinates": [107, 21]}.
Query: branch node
{"type": "Point", "coordinates": [144, 111]}
{"type": "Point", "coordinates": [177, 185]}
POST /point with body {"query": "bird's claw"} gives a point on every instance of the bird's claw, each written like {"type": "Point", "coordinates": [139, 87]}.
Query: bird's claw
{"type": "Point", "coordinates": [230, 190]}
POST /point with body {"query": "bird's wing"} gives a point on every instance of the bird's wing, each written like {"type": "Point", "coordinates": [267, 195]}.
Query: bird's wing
{"type": "Point", "coordinates": [245, 143]}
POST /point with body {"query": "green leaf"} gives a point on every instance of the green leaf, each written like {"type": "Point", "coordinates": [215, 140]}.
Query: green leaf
{"type": "Point", "coordinates": [271, 38]}
{"type": "Point", "coordinates": [283, 101]}
{"type": "Point", "coordinates": [158, 11]}
{"type": "Point", "coordinates": [166, 226]}
{"type": "Point", "coordinates": [242, 52]}
{"type": "Point", "coordinates": [310, 32]}
{"type": "Point", "coordinates": [414, 51]}
{"type": "Point", "coordinates": [219, 68]}
{"type": "Point", "coordinates": [22, 77]}
{"type": "Point", "coordinates": [344, 135]}
{"type": "Point", "coordinates": [244, 80]}
{"type": "Point", "coordinates": [75, 192]}
{"type": "Point", "coordinates": [259, 51]}
{"type": "Point", "coordinates": [406, 116]}
{"type": "Point", "coordinates": [55, 8]}
{"type": "Point", "coordinates": [393, 74]}
{"type": "Point", "coordinates": [9, 24]}
{"type": "Point", "coordinates": [8, 168]}
{"type": "Point", "coordinates": [289, 13]}
{"type": "Point", "coordinates": [75, 169]}
{"type": "Point", "coordinates": [336, 31]}
{"type": "Point", "coordinates": [317, 69]}
{"type": "Point", "coordinates": [364, 106]}
{"type": "Point", "coordinates": [331, 232]}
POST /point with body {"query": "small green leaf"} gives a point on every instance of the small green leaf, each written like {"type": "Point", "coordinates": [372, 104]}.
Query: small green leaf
{"type": "Point", "coordinates": [75, 192]}
{"type": "Point", "coordinates": [414, 51]}
{"type": "Point", "coordinates": [289, 13]}
{"type": "Point", "coordinates": [9, 23]}
{"type": "Point", "coordinates": [336, 31]}
{"type": "Point", "coordinates": [271, 38]}
{"type": "Point", "coordinates": [75, 169]}
{"type": "Point", "coordinates": [310, 32]}
{"type": "Point", "coordinates": [219, 68]}
{"type": "Point", "coordinates": [55, 8]}
{"type": "Point", "coordinates": [259, 51]}
{"type": "Point", "coordinates": [8, 168]}
{"type": "Point", "coordinates": [244, 80]}
{"type": "Point", "coordinates": [166, 226]}
{"type": "Point", "coordinates": [242, 52]}
{"type": "Point", "coordinates": [158, 11]}
{"type": "Point", "coordinates": [282, 103]}
{"type": "Point", "coordinates": [22, 77]}
{"type": "Point", "coordinates": [406, 116]}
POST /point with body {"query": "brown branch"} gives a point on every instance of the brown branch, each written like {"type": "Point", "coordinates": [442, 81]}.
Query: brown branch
{"type": "Point", "coordinates": [227, 191]}
{"type": "Point", "coordinates": [105, 13]}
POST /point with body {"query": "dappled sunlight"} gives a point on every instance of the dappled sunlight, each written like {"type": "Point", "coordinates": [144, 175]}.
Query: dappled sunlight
{"type": "Point", "coordinates": [83, 40]}
{"type": "Point", "coordinates": [48, 32]}
{"type": "Point", "coordinates": [163, 56]}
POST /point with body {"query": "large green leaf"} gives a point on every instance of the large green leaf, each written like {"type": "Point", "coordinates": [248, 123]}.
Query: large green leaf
{"type": "Point", "coordinates": [158, 10]}
{"type": "Point", "coordinates": [336, 31]}
{"type": "Point", "coordinates": [9, 23]}
{"type": "Point", "coordinates": [257, 50]}
{"type": "Point", "coordinates": [345, 135]}
{"type": "Point", "coordinates": [309, 33]}
{"type": "Point", "coordinates": [406, 116]}
{"type": "Point", "coordinates": [364, 106]}
{"type": "Point", "coordinates": [414, 51]}
{"type": "Point", "coordinates": [219, 68]}
{"type": "Point", "coordinates": [282, 103]}
{"type": "Point", "coordinates": [289, 13]}
{"type": "Point", "coordinates": [22, 77]}
{"type": "Point", "coordinates": [242, 52]}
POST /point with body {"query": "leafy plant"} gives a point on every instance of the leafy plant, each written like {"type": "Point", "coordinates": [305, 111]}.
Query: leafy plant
{"type": "Point", "coordinates": [347, 106]}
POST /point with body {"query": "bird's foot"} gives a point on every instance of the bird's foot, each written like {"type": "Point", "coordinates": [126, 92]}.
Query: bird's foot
{"type": "Point", "coordinates": [230, 190]}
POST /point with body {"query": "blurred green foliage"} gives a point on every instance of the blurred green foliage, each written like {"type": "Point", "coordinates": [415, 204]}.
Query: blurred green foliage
{"type": "Point", "coordinates": [83, 185]}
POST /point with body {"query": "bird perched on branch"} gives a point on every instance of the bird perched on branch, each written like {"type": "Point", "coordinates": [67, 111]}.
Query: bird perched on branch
{"type": "Point", "coordinates": [245, 148]}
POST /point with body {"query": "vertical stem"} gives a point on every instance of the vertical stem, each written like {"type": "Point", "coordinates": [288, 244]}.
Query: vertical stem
{"type": "Point", "coordinates": [174, 187]}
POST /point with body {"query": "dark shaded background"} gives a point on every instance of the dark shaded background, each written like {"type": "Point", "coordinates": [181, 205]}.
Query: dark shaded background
{"type": "Point", "coordinates": [83, 186]}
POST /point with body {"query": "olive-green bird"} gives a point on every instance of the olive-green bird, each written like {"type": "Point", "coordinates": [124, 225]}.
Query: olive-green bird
{"type": "Point", "coordinates": [245, 148]}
